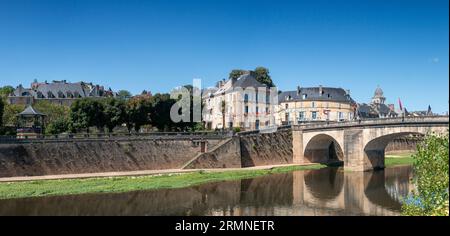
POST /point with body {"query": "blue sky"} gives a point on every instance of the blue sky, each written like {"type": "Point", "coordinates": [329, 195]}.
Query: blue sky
{"type": "Point", "coordinates": [402, 46]}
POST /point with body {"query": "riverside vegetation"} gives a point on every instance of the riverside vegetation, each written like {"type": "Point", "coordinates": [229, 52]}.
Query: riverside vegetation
{"type": "Point", "coordinates": [133, 183]}
{"type": "Point", "coordinates": [431, 179]}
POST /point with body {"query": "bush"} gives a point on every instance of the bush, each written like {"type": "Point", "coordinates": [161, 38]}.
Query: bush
{"type": "Point", "coordinates": [236, 129]}
{"type": "Point", "coordinates": [431, 178]}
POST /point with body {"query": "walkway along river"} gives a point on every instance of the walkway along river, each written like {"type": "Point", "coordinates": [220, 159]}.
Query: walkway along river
{"type": "Point", "coordinates": [328, 191]}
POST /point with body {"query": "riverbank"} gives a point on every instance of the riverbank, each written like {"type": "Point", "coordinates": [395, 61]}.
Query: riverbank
{"type": "Point", "coordinates": [142, 180]}
{"type": "Point", "coordinates": [40, 188]}
{"type": "Point", "coordinates": [399, 159]}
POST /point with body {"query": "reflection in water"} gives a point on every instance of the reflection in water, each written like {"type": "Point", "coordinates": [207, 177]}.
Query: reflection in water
{"type": "Point", "coordinates": [329, 191]}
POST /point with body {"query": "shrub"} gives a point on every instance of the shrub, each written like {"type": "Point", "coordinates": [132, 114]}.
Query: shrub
{"type": "Point", "coordinates": [431, 178]}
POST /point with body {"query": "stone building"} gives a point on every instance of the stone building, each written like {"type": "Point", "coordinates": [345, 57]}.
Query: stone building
{"type": "Point", "coordinates": [58, 92]}
{"type": "Point", "coordinates": [247, 104]}
{"type": "Point", "coordinates": [377, 107]}
{"type": "Point", "coordinates": [311, 104]}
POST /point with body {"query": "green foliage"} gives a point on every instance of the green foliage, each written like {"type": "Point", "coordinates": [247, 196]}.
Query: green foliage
{"type": "Point", "coordinates": [234, 74]}
{"type": "Point", "coordinates": [5, 91]}
{"type": "Point", "coordinates": [113, 112]}
{"type": "Point", "coordinates": [10, 112]}
{"type": "Point", "coordinates": [52, 111]}
{"type": "Point", "coordinates": [124, 94]}
{"type": "Point", "coordinates": [262, 76]}
{"type": "Point", "coordinates": [85, 113]}
{"type": "Point", "coordinates": [138, 111]}
{"type": "Point", "coordinates": [431, 178]}
{"type": "Point", "coordinates": [237, 129]}
{"type": "Point", "coordinates": [58, 126]}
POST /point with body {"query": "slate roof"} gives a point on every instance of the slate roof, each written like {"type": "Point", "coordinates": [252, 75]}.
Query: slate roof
{"type": "Point", "coordinates": [30, 111]}
{"type": "Point", "coordinates": [312, 94]}
{"type": "Point", "coordinates": [244, 81]}
{"type": "Point", "coordinates": [53, 90]}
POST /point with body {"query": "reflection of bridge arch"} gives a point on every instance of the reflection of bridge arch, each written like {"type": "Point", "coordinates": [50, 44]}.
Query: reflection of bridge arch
{"type": "Point", "coordinates": [323, 148]}
{"type": "Point", "coordinates": [376, 192]}
{"type": "Point", "coordinates": [331, 181]}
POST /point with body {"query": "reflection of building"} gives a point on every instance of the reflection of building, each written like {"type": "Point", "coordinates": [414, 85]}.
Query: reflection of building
{"type": "Point", "coordinates": [377, 108]}
{"type": "Point", "coordinates": [59, 92]}
{"type": "Point", "coordinates": [314, 104]}
{"type": "Point", "coordinates": [245, 101]}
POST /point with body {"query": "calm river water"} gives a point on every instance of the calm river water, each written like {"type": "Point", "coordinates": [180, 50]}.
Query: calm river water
{"type": "Point", "coordinates": [329, 191]}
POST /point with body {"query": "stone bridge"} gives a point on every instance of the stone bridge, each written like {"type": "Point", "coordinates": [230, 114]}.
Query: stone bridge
{"type": "Point", "coordinates": [359, 145]}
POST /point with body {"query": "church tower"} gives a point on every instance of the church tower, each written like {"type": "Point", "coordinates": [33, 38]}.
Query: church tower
{"type": "Point", "coordinates": [378, 97]}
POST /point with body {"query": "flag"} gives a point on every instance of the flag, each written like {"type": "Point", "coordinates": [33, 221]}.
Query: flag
{"type": "Point", "coordinates": [400, 104]}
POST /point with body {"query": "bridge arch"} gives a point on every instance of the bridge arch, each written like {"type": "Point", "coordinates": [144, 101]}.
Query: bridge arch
{"type": "Point", "coordinates": [323, 148]}
{"type": "Point", "coordinates": [374, 150]}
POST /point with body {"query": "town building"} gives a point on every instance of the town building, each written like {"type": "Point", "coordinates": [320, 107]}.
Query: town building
{"type": "Point", "coordinates": [377, 107]}
{"type": "Point", "coordinates": [311, 104]}
{"type": "Point", "coordinates": [243, 102]}
{"type": "Point", "coordinates": [58, 92]}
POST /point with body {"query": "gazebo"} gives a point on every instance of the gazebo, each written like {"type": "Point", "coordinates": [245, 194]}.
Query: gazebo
{"type": "Point", "coordinates": [30, 123]}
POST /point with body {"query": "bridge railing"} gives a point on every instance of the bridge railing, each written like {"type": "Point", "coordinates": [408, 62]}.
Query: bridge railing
{"type": "Point", "coordinates": [377, 121]}
{"type": "Point", "coordinates": [116, 136]}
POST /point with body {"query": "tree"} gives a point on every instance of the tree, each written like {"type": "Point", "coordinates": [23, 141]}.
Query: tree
{"type": "Point", "coordinates": [5, 91]}
{"type": "Point", "coordinates": [124, 94]}
{"type": "Point", "coordinates": [138, 111]}
{"type": "Point", "coordinates": [10, 112]}
{"type": "Point", "coordinates": [58, 126]}
{"type": "Point", "coordinates": [52, 111]}
{"type": "Point", "coordinates": [236, 73]}
{"type": "Point", "coordinates": [160, 112]}
{"type": "Point", "coordinates": [262, 76]}
{"type": "Point", "coordinates": [113, 112]}
{"type": "Point", "coordinates": [431, 164]}
{"type": "Point", "coordinates": [85, 113]}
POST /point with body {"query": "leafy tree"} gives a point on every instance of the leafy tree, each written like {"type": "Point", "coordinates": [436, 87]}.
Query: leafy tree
{"type": "Point", "coordinates": [160, 112]}
{"type": "Point", "coordinates": [57, 126]}
{"type": "Point", "coordinates": [10, 112]}
{"type": "Point", "coordinates": [431, 178]}
{"type": "Point", "coordinates": [124, 94]}
{"type": "Point", "coordinates": [52, 111]}
{"type": "Point", "coordinates": [262, 76]}
{"type": "Point", "coordinates": [85, 113]}
{"type": "Point", "coordinates": [113, 112]}
{"type": "Point", "coordinates": [138, 111]}
{"type": "Point", "coordinates": [5, 91]}
{"type": "Point", "coordinates": [236, 73]}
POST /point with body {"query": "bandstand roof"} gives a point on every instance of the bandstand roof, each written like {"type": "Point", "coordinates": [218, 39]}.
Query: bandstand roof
{"type": "Point", "coordinates": [30, 111]}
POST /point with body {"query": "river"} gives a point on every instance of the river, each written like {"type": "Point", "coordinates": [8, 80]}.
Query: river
{"type": "Point", "coordinates": [328, 191]}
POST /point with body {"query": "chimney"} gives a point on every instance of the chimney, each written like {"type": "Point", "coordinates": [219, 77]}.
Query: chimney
{"type": "Point", "coordinates": [320, 90]}
{"type": "Point", "coordinates": [348, 92]}
{"type": "Point", "coordinates": [298, 90]}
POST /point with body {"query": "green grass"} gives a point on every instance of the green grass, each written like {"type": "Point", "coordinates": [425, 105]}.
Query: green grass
{"type": "Point", "coordinates": [131, 183]}
{"type": "Point", "coordinates": [398, 159]}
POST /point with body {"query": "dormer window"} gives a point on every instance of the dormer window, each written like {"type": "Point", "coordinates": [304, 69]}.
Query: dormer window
{"type": "Point", "coordinates": [60, 94]}
{"type": "Point", "coordinates": [50, 95]}
{"type": "Point", "coordinates": [304, 96]}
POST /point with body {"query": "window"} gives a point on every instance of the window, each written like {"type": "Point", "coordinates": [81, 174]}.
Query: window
{"type": "Point", "coordinates": [287, 106]}
{"type": "Point", "coordinates": [246, 109]}
{"type": "Point", "coordinates": [256, 97]}
{"type": "Point", "coordinates": [313, 104]}
{"type": "Point", "coordinates": [267, 99]}
{"type": "Point", "coordinates": [301, 115]}
{"type": "Point", "coordinates": [257, 110]}
{"type": "Point", "coordinates": [314, 115]}
{"type": "Point", "coordinates": [267, 110]}
{"type": "Point", "coordinates": [246, 98]}
{"type": "Point", "coordinates": [304, 96]}
{"type": "Point", "coordinates": [341, 116]}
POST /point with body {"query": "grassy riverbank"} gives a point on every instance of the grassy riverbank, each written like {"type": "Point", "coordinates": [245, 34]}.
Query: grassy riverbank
{"type": "Point", "coordinates": [398, 159]}
{"type": "Point", "coordinates": [124, 184]}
